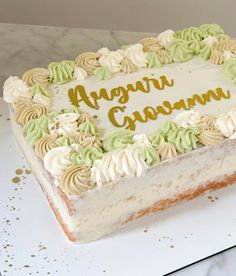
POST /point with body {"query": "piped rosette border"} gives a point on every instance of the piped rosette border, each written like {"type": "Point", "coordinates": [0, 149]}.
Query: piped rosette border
{"type": "Point", "coordinates": [69, 142]}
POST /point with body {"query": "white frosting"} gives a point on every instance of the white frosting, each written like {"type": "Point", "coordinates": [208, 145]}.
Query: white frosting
{"type": "Point", "coordinates": [141, 139]}
{"type": "Point", "coordinates": [135, 54]}
{"type": "Point", "coordinates": [44, 100]}
{"type": "Point", "coordinates": [55, 161]}
{"type": "Point", "coordinates": [209, 41]}
{"type": "Point", "coordinates": [103, 50]}
{"type": "Point", "coordinates": [65, 124]}
{"type": "Point", "coordinates": [228, 54]}
{"type": "Point", "coordinates": [233, 136]}
{"type": "Point", "coordinates": [165, 37]}
{"type": "Point", "coordinates": [14, 88]}
{"type": "Point", "coordinates": [226, 123]}
{"type": "Point", "coordinates": [188, 118]}
{"type": "Point", "coordinates": [111, 59]}
{"type": "Point", "coordinates": [80, 73]}
{"type": "Point", "coordinates": [118, 163]}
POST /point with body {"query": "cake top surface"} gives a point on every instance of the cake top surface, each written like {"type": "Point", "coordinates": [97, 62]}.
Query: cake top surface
{"type": "Point", "coordinates": [109, 114]}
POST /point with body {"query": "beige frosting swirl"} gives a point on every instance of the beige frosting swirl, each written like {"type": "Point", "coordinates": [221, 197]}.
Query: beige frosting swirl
{"type": "Point", "coordinates": [84, 117]}
{"type": "Point", "coordinates": [150, 44]}
{"type": "Point", "coordinates": [44, 144]}
{"type": "Point", "coordinates": [165, 57]}
{"type": "Point", "coordinates": [88, 61]}
{"type": "Point", "coordinates": [206, 121]}
{"type": "Point", "coordinates": [36, 76]}
{"type": "Point", "coordinates": [210, 136]}
{"type": "Point", "coordinates": [127, 66]}
{"type": "Point", "coordinates": [76, 179]}
{"type": "Point", "coordinates": [166, 151]}
{"type": "Point", "coordinates": [217, 57]}
{"type": "Point", "coordinates": [87, 140]}
{"type": "Point", "coordinates": [26, 110]}
{"type": "Point", "coordinates": [226, 45]}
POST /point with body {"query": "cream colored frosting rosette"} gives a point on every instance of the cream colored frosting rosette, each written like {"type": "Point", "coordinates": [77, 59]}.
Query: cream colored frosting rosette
{"type": "Point", "coordinates": [217, 57]}
{"type": "Point", "coordinates": [127, 66]}
{"type": "Point", "coordinates": [136, 55]}
{"type": "Point", "coordinates": [25, 110]}
{"type": "Point", "coordinates": [226, 123]}
{"type": "Point", "coordinates": [226, 45]}
{"type": "Point", "coordinates": [165, 57]}
{"type": "Point", "coordinates": [36, 76]}
{"type": "Point", "coordinates": [165, 37]}
{"type": "Point", "coordinates": [84, 117]}
{"type": "Point", "coordinates": [56, 160]}
{"type": "Point", "coordinates": [111, 59]}
{"type": "Point", "coordinates": [167, 151]}
{"type": "Point", "coordinates": [190, 118]}
{"type": "Point", "coordinates": [206, 121]}
{"type": "Point", "coordinates": [76, 179]}
{"type": "Point", "coordinates": [65, 124]}
{"type": "Point", "coordinates": [210, 136]}
{"type": "Point", "coordinates": [118, 163]}
{"type": "Point", "coordinates": [44, 144]}
{"type": "Point", "coordinates": [150, 44]}
{"type": "Point", "coordinates": [88, 61]}
{"type": "Point", "coordinates": [14, 88]}
{"type": "Point", "coordinates": [87, 140]}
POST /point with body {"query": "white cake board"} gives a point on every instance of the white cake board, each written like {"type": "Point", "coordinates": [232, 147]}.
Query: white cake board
{"type": "Point", "coordinates": [32, 243]}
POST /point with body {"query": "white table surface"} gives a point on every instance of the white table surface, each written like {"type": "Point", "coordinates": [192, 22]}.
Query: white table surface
{"type": "Point", "coordinates": [24, 224]}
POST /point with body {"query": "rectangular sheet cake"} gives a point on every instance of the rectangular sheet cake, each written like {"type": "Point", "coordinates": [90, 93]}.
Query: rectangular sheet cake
{"type": "Point", "coordinates": [116, 135]}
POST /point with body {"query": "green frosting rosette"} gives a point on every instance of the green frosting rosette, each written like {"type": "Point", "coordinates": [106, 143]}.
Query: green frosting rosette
{"type": "Point", "coordinates": [195, 46]}
{"type": "Point", "coordinates": [89, 155]}
{"type": "Point", "coordinates": [184, 139]}
{"type": "Point", "coordinates": [89, 128]}
{"type": "Point", "coordinates": [167, 127]}
{"type": "Point", "coordinates": [205, 52]}
{"type": "Point", "coordinates": [222, 37]}
{"type": "Point", "coordinates": [229, 68]}
{"type": "Point", "coordinates": [119, 139]}
{"type": "Point", "coordinates": [61, 71]}
{"type": "Point", "coordinates": [191, 33]}
{"type": "Point", "coordinates": [39, 89]}
{"type": "Point", "coordinates": [102, 73]}
{"type": "Point", "coordinates": [179, 50]}
{"type": "Point", "coordinates": [35, 129]}
{"type": "Point", "coordinates": [211, 29]}
{"type": "Point", "coordinates": [154, 60]}
{"type": "Point", "coordinates": [75, 157]}
{"type": "Point", "coordinates": [150, 156]}
{"type": "Point", "coordinates": [85, 155]}
{"type": "Point", "coordinates": [64, 141]}
{"type": "Point", "coordinates": [52, 115]}
{"type": "Point", "coordinates": [156, 139]}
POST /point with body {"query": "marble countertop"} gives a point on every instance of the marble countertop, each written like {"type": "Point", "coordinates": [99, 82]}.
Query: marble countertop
{"type": "Point", "coordinates": [23, 47]}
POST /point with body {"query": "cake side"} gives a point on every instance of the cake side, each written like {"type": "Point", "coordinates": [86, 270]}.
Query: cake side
{"type": "Point", "coordinates": [129, 199]}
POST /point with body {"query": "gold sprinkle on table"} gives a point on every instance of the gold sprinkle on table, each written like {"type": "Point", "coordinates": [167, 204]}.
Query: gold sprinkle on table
{"type": "Point", "coordinates": [19, 171]}
{"type": "Point", "coordinates": [28, 171]}
{"type": "Point", "coordinates": [15, 180]}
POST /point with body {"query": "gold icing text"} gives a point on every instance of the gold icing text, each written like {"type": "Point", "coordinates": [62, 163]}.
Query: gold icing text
{"type": "Point", "coordinates": [152, 113]}
{"type": "Point", "coordinates": [79, 94]}
{"type": "Point", "coordinates": [121, 94]}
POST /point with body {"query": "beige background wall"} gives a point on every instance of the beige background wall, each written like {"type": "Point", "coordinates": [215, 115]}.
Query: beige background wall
{"type": "Point", "coordinates": [133, 15]}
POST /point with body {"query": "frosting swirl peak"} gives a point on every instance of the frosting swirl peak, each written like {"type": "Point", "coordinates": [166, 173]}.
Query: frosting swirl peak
{"type": "Point", "coordinates": [76, 179]}
{"type": "Point", "coordinates": [36, 76]}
